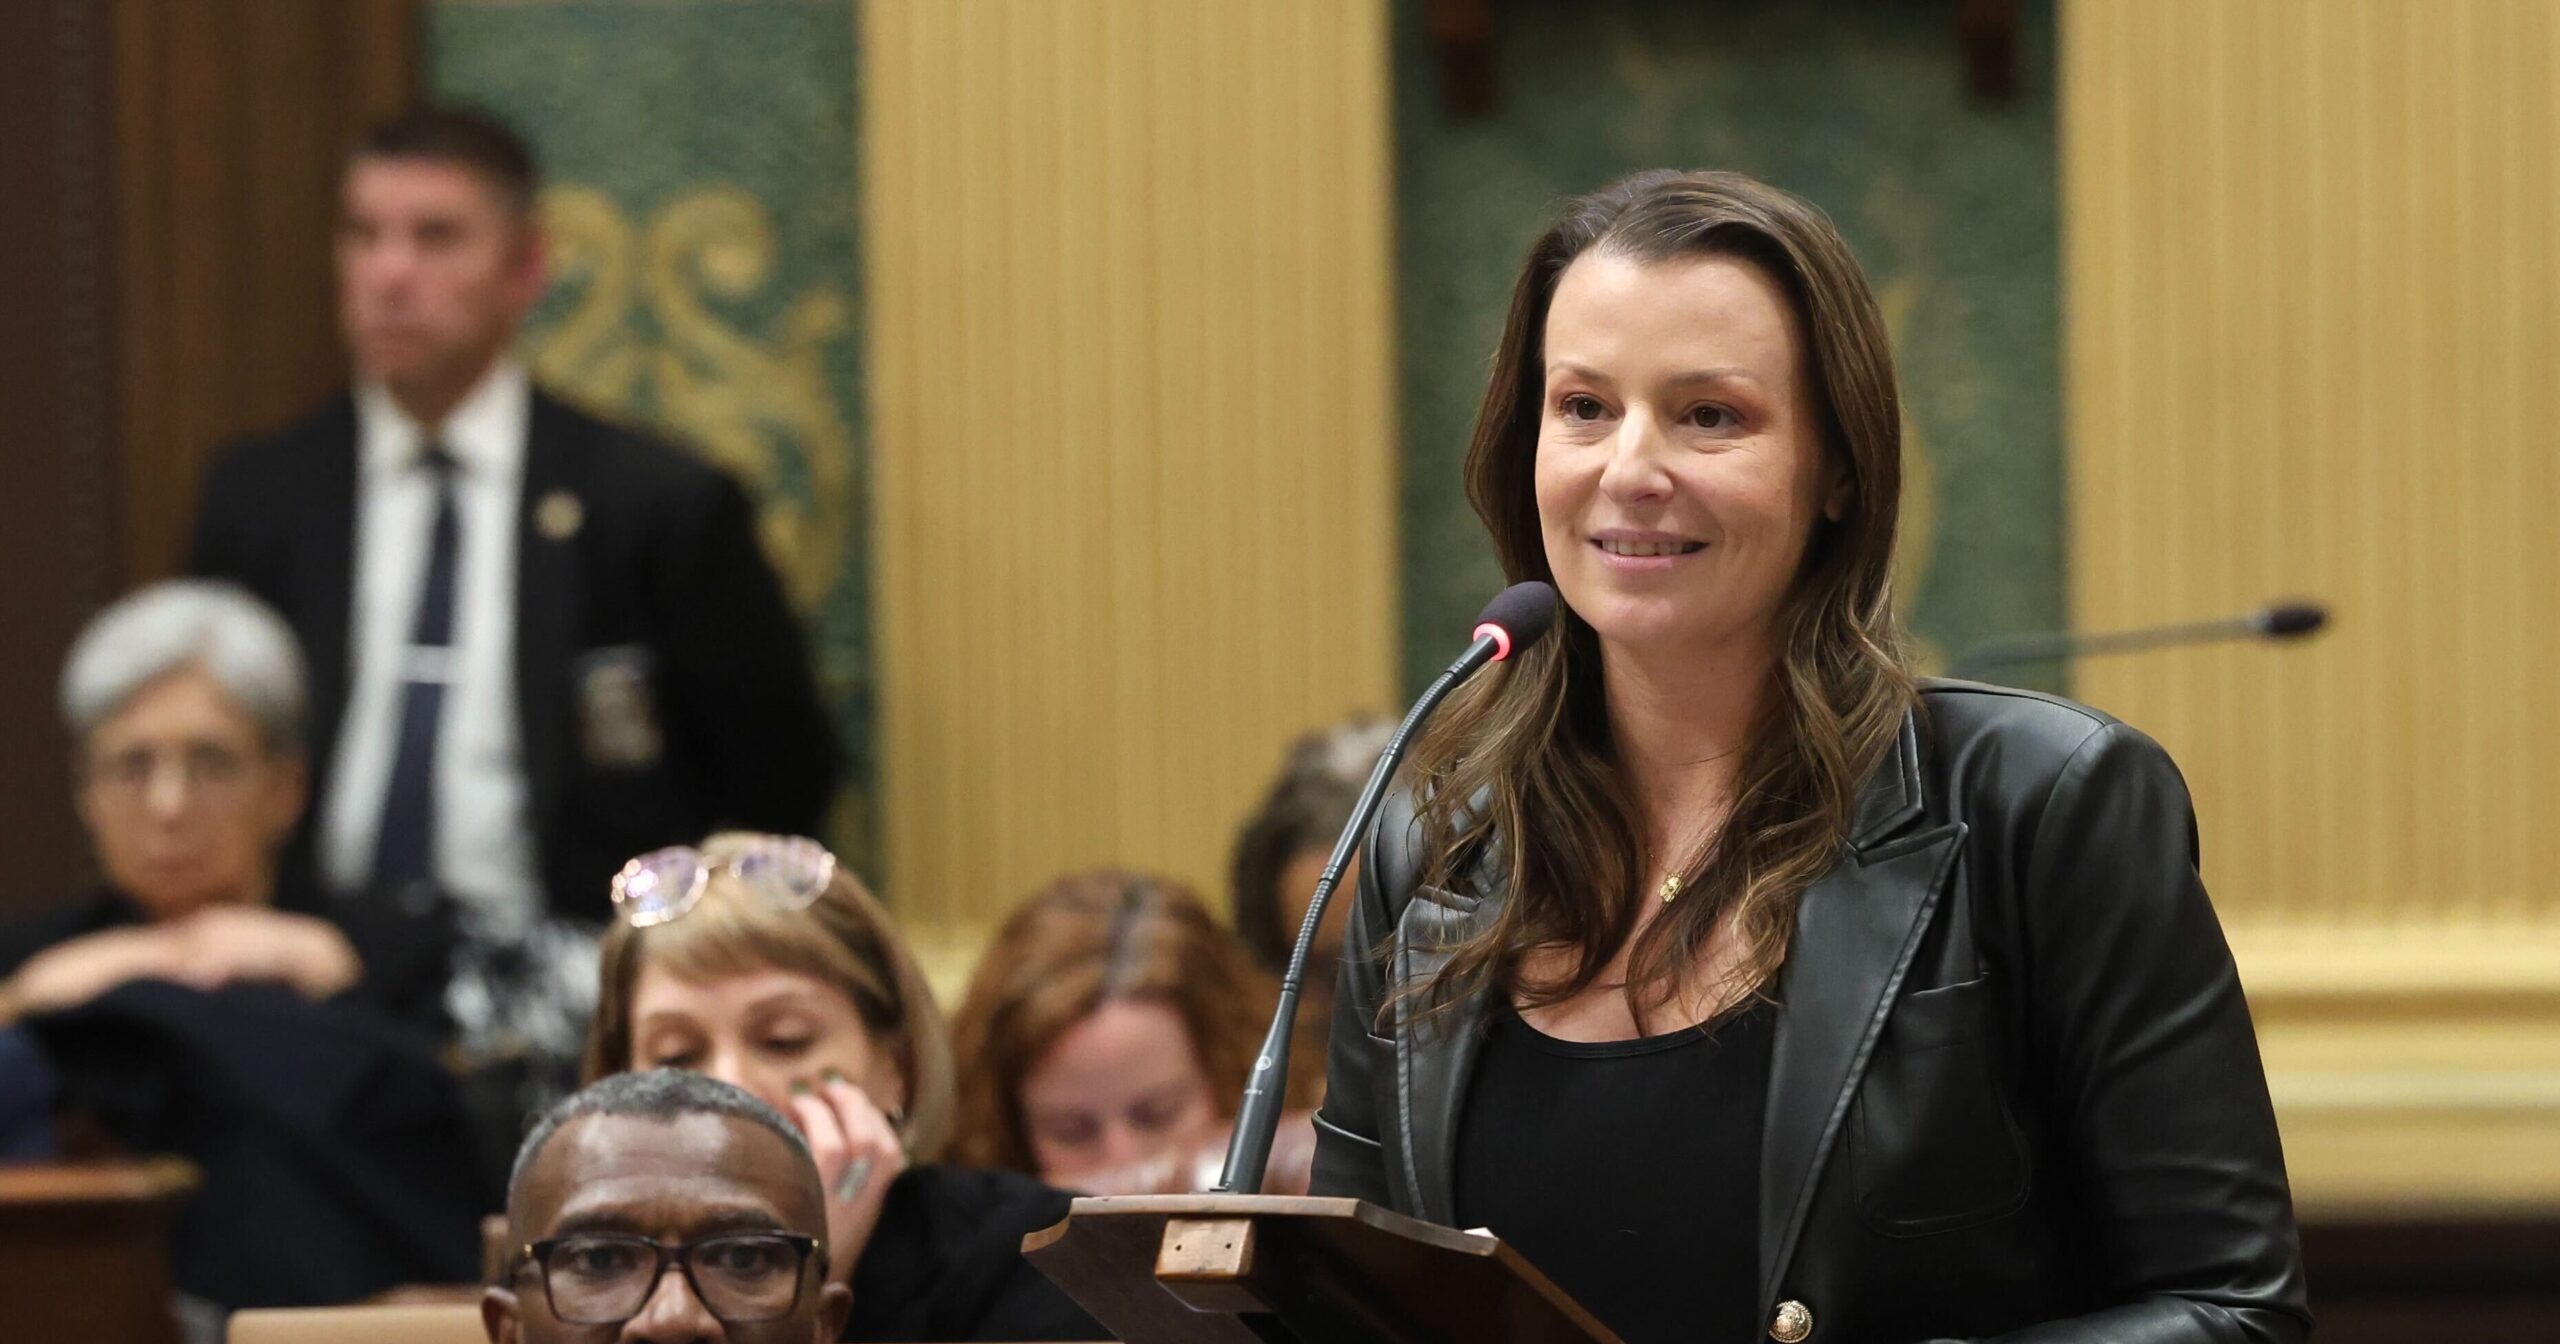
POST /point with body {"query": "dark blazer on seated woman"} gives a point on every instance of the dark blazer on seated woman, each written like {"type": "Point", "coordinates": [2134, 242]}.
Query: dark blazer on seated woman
{"type": "Point", "coordinates": [946, 1262]}
{"type": "Point", "coordinates": [2013, 1093]}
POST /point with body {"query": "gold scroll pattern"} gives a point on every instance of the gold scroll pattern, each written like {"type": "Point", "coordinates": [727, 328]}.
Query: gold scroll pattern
{"type": "Point", "coordinates": [759, 406]}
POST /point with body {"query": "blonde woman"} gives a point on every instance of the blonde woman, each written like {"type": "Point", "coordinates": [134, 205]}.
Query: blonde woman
{"type": "Point", "coordinates": [759, 960]}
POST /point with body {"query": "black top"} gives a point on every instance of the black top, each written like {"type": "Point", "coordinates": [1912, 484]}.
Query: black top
{"type": "Point", "coordinates": [946, 1262]}
{"type": "Point", "coordinates": [23, 936]}
{"type": "Point", "coordinates": [333, 1119]}
{"type": "Point", "coordinates": [2013, 1085]}
{"type": "Point", "coordinates": [405, 956]}
{"type": "Point", "coordinates": [328, 1122]}
{"type": "Point", "coordinates": [1654, 1230]}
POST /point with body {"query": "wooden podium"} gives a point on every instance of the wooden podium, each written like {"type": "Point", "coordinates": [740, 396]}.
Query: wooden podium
{"type": "Point", "coordinates": [1281, 1269]}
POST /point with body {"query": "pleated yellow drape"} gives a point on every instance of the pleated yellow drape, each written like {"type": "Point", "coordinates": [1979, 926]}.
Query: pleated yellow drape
{"type": "Point", "coordinates": [2312, 304]}
{"type": "Point", "coordinates": [1132, 432]}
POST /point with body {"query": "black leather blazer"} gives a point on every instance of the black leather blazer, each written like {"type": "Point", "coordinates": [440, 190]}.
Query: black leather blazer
{"type": "Point", "coordinates": [2014, 1095]}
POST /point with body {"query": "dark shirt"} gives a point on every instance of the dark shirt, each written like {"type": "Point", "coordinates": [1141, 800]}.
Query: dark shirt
{"type": "Point", "coordinates": [333, 1123]}
{"type": "Point", "coordinates": [21, 938]}
{"type": "Point", "coordinates": [406, 957]}
{"type": "Point", "coordinates": [326, 1126]}
{"type": "Point", "coordinates": [946, 1262]}
{"type": "Point", "coordinates": [1627, 1171]}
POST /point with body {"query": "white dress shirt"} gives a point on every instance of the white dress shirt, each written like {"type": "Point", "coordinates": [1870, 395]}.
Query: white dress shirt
{"type": "Point", "coordinates": [483, 846]}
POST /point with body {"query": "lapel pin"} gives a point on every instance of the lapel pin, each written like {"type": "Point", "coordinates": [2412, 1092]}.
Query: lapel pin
{"type": "Point", "coordinates": [559, 515]}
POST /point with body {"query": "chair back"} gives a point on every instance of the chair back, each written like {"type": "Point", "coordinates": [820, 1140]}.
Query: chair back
{"type": "Point", "coordinates": [457, 1323]}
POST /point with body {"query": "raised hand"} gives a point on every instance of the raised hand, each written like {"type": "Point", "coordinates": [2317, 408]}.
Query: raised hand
{"type": "Point", "coordinates": [859, 1153]}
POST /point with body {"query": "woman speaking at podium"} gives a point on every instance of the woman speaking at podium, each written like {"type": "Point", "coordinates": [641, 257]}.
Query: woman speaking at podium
{"type": "Point", "coordinates": [1745, 985]}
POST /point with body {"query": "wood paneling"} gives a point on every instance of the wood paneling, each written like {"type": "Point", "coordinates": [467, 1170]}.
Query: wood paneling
{"type": "Point", "coordinates": [57, 553]}
{"type": "Point", "coordinates": [2311, 303]}
{"type": "Point", "coordinates": [87, 1249]}
{"type": "Point", "coordinates": [171, 168]}
{"type": "Point", "coordinates": [1132, 424]}
{"type": "Point", "coordinates": [231, 120]}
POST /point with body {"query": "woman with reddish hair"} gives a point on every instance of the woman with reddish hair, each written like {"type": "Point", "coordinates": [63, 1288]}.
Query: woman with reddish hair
{"type": "Point", "coordinates": [1109, 1029]}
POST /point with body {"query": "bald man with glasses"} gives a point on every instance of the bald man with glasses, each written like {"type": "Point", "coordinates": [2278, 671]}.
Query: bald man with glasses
{"type": "Point", "coordinates": [665, 1208]}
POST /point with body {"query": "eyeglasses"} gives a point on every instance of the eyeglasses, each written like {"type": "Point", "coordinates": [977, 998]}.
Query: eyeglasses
{"type": "Point", "coordinates": [663, 884]}
{"type": "Point", "coordinates": [206, 770]}
{"type": "Point", "coordinates": [605, 1278]}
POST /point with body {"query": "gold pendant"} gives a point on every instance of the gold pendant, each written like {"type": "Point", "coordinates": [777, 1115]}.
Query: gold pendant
{"type": "Point", "coordinates": [1670, 888]}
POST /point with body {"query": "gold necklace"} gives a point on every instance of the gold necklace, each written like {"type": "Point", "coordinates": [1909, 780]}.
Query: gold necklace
{"type": "Point", "coordinates": [1671, 886]}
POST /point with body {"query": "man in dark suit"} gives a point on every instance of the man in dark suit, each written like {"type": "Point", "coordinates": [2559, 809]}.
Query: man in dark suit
{"type": "Point", "coordinates": [539, 642]}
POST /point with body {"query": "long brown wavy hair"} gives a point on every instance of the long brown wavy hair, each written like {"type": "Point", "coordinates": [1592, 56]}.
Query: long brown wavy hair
{"type": "Point", "coordinates": [1520, 769]}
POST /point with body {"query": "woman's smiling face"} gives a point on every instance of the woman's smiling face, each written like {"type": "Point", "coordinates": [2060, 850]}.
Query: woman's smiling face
{"type": "Point", "coordinates": [1680, 467]}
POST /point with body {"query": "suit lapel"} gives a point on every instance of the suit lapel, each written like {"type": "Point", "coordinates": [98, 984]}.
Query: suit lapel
{"type": "Point", "coordinates": [550, 519]}
{"type": "Point", "coordinates": [328, 616]}
{"type": "Point", "coordinates": [1435, 1055]}
{"type": "Point", "coordinates": [1856, 930]}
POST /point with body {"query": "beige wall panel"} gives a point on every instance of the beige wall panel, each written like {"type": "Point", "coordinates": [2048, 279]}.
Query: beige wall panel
{"type": "Point", "coordinates": [2312, 270]}
{"type": "Point", "coordinates": [1131, 425]}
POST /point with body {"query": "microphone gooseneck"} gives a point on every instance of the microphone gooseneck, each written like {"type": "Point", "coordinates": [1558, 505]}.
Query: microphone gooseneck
{"type": "Point", "coordinates": [1515, 619]}
{"type": "Point", "coordinates": [2281, 620]}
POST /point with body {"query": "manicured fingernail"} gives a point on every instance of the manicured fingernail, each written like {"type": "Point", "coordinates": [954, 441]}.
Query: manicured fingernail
{"type": "Point", "coordinates": [799, 1089]}
{"type": "Point", "coordinates": [833, 1076]}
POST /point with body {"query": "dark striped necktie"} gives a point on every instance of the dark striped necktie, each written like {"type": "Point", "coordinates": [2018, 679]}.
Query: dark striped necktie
{"type": "Point", "coordinates": [404, 847]}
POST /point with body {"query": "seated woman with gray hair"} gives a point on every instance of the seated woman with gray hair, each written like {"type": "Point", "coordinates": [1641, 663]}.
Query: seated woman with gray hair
{"type": "Point", "coordinates": [185, 704]}
{"type": "Point", "coordinates": [178, 1008]}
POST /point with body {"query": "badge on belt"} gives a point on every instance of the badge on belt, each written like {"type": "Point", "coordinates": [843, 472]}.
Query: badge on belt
{"type": "Point", "coordinates": [617, 711]}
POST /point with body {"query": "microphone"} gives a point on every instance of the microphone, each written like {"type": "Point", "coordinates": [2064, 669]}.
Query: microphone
{"type": "Point", "coordinates": [1515, 619]}
{"type": "Point", "coordinates": [2282, 620]}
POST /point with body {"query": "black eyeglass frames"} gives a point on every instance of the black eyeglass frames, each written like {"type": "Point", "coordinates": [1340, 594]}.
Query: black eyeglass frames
{"type": "Point", "coordinates": [605, 1278]}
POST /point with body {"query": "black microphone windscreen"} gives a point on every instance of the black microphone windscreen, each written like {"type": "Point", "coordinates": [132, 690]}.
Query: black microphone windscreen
{"type": "Point", "coordinates": [2287, 620]}
{"type": "Point", "coordinates": [1523, 610]}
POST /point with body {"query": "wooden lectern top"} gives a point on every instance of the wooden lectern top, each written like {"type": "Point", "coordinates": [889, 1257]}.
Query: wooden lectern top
{"type": "Point", "coordinates": [147, 1182]}
{"type": "Point", "coordinates": [1254, 1269]}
